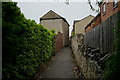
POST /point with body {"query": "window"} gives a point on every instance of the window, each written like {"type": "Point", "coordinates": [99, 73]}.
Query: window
{"type": "Point", "coordinates": [104, 8]}
{"type": "Point", "coordinates": [115, 2]}
{"type": "Point", "coordinates": [107, 1]}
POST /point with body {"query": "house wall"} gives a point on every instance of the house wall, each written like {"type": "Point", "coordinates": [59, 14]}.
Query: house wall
{"type": "Point", "coordinates": [79, 26]}
{"type": "Point", "coordinates": [65, 29]}
{"type": "Point", "coordinates": [55, 24]}
{"type": "Point", "coordinates": [89, 28]}
{"type": "Point", "coordinates": [110, 10]}
{"type": "Point", "coordinates": [96, 22]}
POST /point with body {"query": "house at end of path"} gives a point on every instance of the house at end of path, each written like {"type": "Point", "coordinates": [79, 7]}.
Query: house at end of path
{"type": "Point", "coordinates": [79, 25]}
{"type": "Point", "coordinates": [52, 20]}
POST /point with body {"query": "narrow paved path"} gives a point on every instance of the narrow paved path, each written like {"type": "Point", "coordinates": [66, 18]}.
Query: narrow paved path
{"type": "Point", "coordinates": [61, 65]}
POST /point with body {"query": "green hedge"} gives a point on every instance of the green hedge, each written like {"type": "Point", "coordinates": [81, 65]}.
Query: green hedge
{"type": "Point", "coordinates": [26, 44]}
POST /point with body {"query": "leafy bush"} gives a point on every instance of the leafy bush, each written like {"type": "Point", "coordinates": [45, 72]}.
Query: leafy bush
{"type": "Point", "coordinates": [112, 71]}
{"type": "Point", "coordinates": [26, 44]}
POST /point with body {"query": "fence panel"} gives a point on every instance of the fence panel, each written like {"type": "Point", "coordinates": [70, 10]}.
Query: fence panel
{"type": "Point", "coordinates": [103, 36]}
{"type": "Point", "coordinates": [97, 37]}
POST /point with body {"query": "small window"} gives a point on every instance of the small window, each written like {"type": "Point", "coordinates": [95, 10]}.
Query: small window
{"type": "Point", "coordinates": [107, 1]}
{"type": "Point", "coordinates": [104, 8]}
{"type": "Point", "coordinates": [115, 2]}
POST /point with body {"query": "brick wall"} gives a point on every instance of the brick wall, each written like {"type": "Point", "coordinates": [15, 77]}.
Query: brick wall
{"type": "Point", "coordinates": [110, 10]}
{"type": "Point", "coordinates": [58, 42]}
{"type": "Point", "coordinates": [89, 28]}
{"type": "Point", "coordinates": [96, 21]}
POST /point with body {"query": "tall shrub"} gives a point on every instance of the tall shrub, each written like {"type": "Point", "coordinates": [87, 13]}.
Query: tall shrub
{"type": "Point", "coordinates": [26, 44]}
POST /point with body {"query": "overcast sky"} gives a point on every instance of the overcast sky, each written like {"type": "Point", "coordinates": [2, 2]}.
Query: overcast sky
{"type": "Point", "coordinates": [73, 11]}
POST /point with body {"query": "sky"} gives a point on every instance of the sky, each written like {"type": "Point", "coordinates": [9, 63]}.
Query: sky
{"type": "Point", "coordinates": [73, 11]}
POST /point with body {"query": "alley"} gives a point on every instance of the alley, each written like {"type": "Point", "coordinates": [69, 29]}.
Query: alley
{"type": "Point", "coordinates": [61, 65]}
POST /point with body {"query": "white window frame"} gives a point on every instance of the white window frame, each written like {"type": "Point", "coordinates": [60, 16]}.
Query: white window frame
{"type": "Point", "coordinates": [115, 2]}
{"type": "Point", "coordinates": [107, 1]}
{"type": "Point", "coordinates": [104, 8]}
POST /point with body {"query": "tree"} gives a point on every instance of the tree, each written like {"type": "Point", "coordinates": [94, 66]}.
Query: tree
{"type": "Point", "coordinates": [91, 6]}
{"type": "Point", "coordinates": [67, 2]}
{"type": "Point", "coordinates": [6, 0]}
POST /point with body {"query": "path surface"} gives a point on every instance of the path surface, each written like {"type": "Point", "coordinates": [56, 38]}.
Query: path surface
{"type": "Point", "coordinates": [61, 65]}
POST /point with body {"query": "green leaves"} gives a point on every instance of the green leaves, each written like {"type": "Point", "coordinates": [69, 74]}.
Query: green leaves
{"type": "Point", "coordinates": [25, 44]}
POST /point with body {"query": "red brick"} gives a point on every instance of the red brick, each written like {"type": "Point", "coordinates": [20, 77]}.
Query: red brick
{"type": "Point", "coordinates": [110, 10]}
{"type": "Point", "coordinates": [96, 21]}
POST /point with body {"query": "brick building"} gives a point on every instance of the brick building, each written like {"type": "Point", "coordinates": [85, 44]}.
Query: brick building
{"type": "Point", "coordinates": [96, 21]}
{"type": "Point", "coordinates": [107, 9]}
{"type": "Point", "coordinates": [52, 20]}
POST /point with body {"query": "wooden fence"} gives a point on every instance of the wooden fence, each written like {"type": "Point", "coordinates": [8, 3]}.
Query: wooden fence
{"type": "Point", "coordinates": [103, 36]}
{"type": "Point", "coordinates": [58, 42]}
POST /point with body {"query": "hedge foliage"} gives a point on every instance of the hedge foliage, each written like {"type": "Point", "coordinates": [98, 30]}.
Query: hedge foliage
{"type": "Point", "coordinates": [26, 44]}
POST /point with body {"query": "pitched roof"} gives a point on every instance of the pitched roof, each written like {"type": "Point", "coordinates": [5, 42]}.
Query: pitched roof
{"type": "Point", "coordinates": [52, 15]}
{"type": "Point", "coordinates": [75, 21]}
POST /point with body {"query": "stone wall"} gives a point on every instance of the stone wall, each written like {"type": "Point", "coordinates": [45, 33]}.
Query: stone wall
{"type": "Point", "coordinates": [90, 60]}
